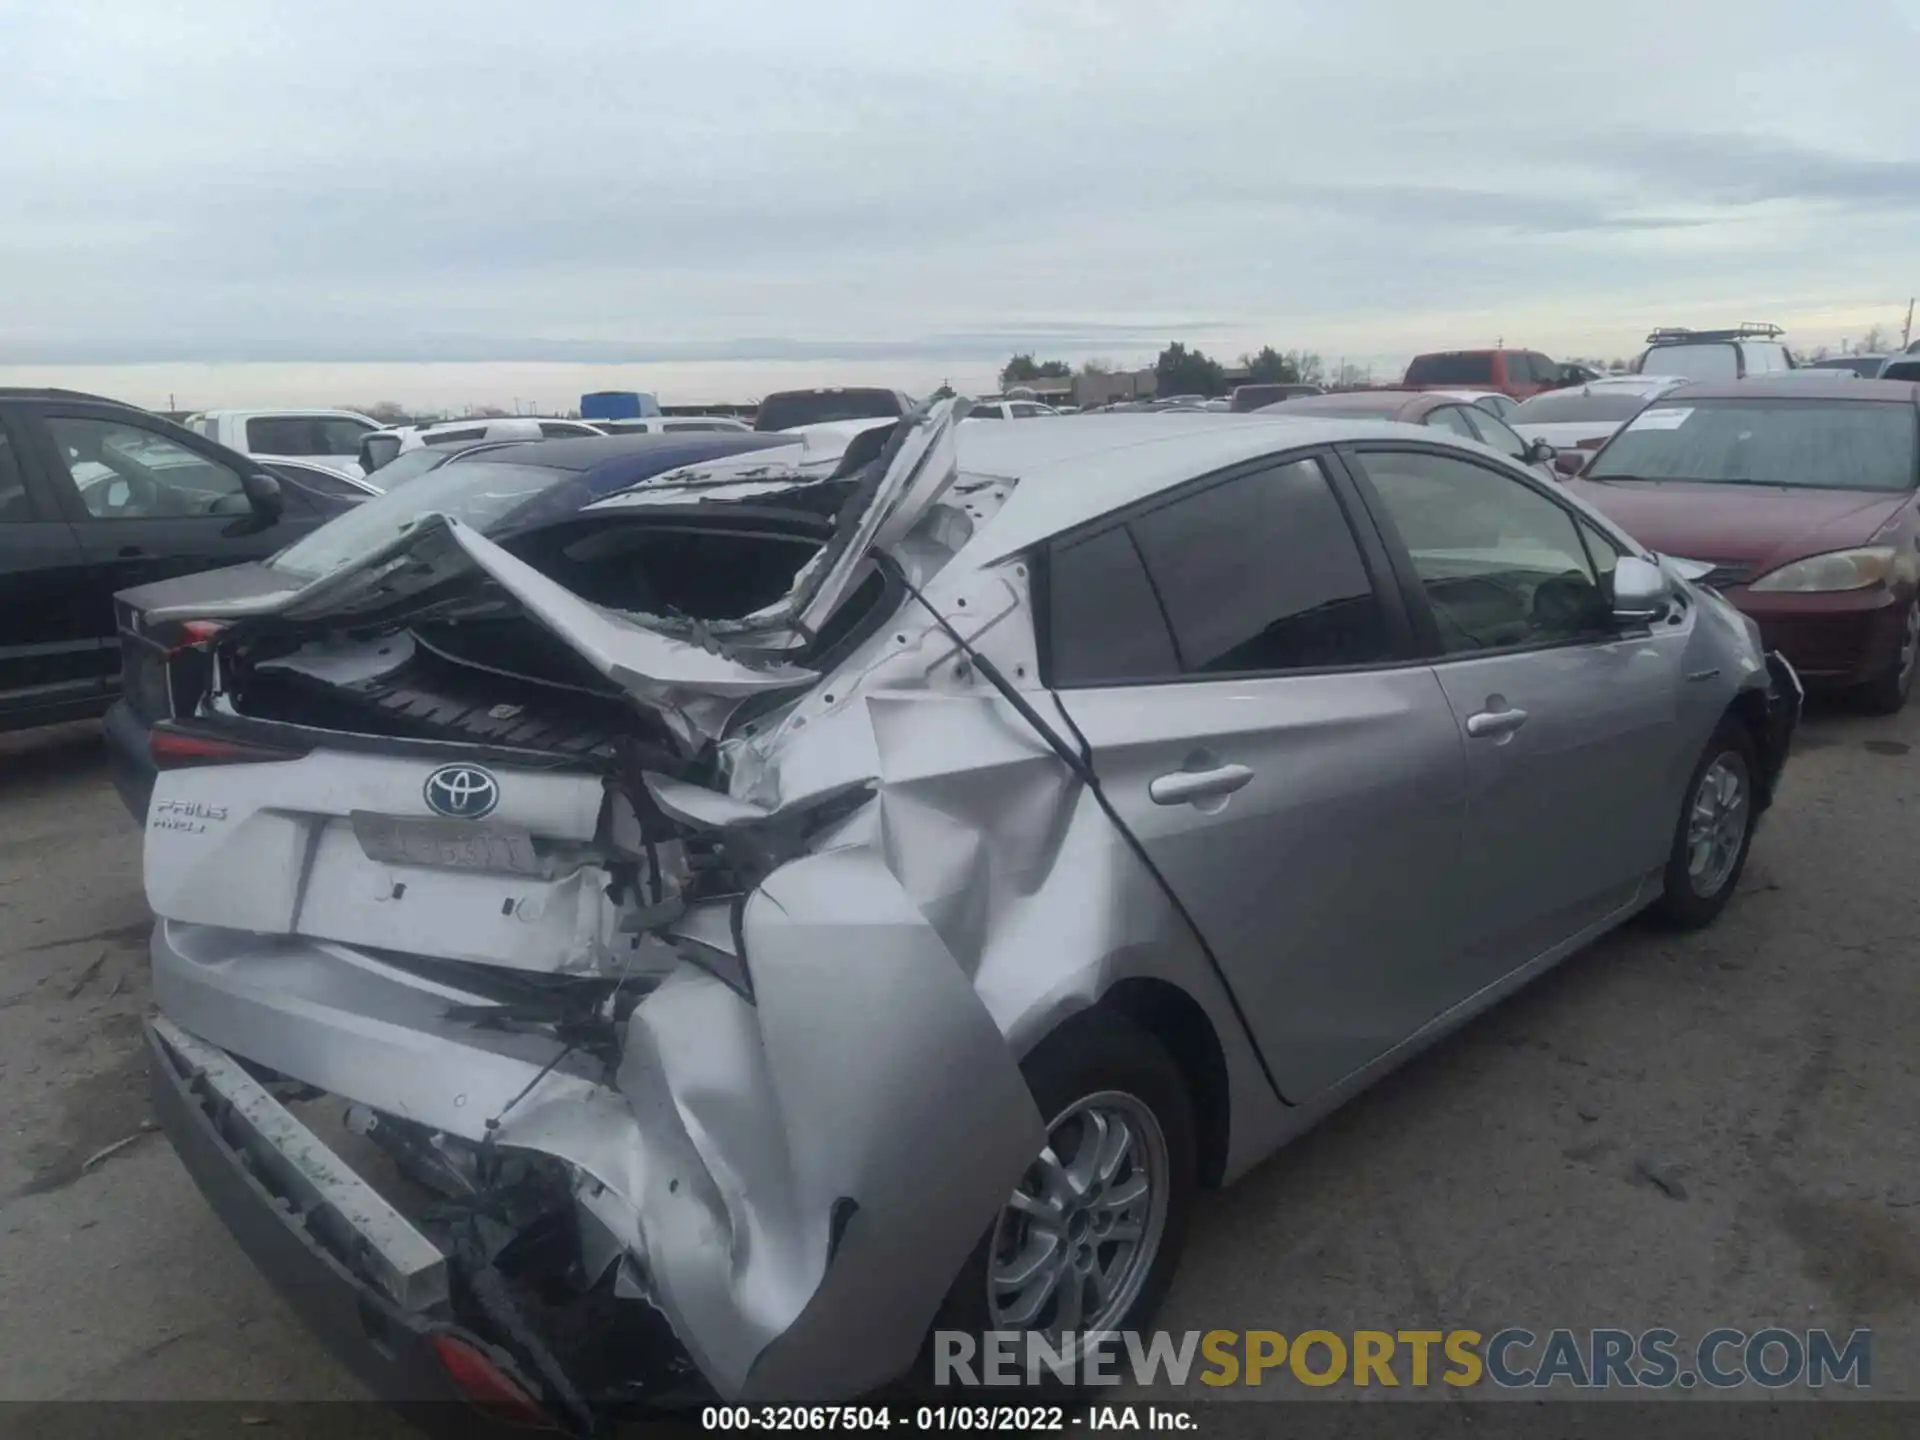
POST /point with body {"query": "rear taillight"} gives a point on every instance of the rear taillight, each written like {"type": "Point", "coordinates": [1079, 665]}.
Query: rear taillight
{"type": "Point", "coordinates": [174, 749]}
{"type": "Point", "coordinates": [485, 1383]}
{"type": "Point", "coordinates": [194, 634]}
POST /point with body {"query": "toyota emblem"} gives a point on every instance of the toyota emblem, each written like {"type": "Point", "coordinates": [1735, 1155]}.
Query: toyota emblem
{"type": "Point", "coordinates": [462, 792]}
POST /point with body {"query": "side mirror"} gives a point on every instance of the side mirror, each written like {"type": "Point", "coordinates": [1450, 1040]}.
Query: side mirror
{"type": "Point", "coordinates": [1642, 592]}
{"type": "Point", "coordinates": [1539, 452]}
{"type": "Point", "coordinates": [378, 450]}
{"type": "Point", "coordinates": [1571, 462]}
{"type": "Point", "coordinates": [265, 496]}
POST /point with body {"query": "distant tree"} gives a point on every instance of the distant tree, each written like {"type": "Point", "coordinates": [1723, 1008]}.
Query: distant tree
{"type": "Point", "coordinates": [1024, 369]}
{"type": "Point", "coordinates": [387, 412]}
{"type": "Point", "coordinates": [945, 392]}
{"type": "Point", "coordinates": [1873, 342]}
{"type": "Point", "coordinates": [1180, 371]}
{"type": "Point", "coordinates": [1308, 367]}
{"type": "Point", "coordinates": [491, 412]}
{"type": "Point", "coordinates": [1096, 368]}
{"type": "Point", "coordinates": [1820, 352]}
{"type": "Point", "coordinates": [1270, 367]}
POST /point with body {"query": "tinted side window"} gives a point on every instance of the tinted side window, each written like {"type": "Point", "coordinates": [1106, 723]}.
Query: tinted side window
{"type": "Point", "coordinates": [127, 472]}
{"type": "Point", "coordinates": [1472, 367]}
{"type": "Point", "coordinates": [1452, 417]}
{"type": "Point", "coordinates": [1103, 623]}
{"type": "Point", "coordinates": [16, 506]}
{"type": "Point", "coordinates": [280, 435]}
{"type": "Point", "coordinates": [1605, 555]}
{"type": "Point", "coordinates": [1262, 573]}
{"type": "Point", "coordinates": [1501, 564]}
{"type": "Point", "coordinates": [1496, 434]}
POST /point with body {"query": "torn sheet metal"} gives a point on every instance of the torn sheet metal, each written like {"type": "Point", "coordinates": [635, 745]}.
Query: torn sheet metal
{"type": "Point", "coordinates": [694, 690]}
{"type": "Point", "coordinates": [763, 1161]}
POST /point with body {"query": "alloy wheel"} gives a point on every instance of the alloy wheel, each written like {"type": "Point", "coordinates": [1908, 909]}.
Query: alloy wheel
{"type": "Point", "coordinates": [1717, 824]}
{"type": "Point", "coordinates": [1073, 1245]}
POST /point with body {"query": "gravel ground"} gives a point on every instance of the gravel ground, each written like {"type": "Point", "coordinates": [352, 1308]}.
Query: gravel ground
{"type": "Point", "coordinates": [1696, 1131]}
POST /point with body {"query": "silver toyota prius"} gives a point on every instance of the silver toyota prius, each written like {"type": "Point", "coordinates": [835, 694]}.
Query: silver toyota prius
{"type": "Point", "coordinates": [707, 944]}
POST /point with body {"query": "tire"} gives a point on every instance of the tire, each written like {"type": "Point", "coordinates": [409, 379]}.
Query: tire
{"type": "Point", "coordinates": [1888, 693]}
{"type": "Point", "coordinates": [1101, 1061]}
{"type": "Point", "coordinates": [1696, 893]}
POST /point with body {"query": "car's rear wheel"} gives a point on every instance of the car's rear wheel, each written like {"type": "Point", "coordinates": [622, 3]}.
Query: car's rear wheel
{"type": "Point", "coordinates": [1715, 832]}
{"type": "Point", "coordinates": [1088, 1242]}
{"type": "Point", "coordinates": [1888, 693]}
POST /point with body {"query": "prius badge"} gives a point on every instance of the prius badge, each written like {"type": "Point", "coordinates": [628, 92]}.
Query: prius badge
{"type": "Point", "coordinates": [462, 792]}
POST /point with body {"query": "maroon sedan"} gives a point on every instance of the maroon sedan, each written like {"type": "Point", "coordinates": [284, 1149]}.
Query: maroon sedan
{"type": "Point", "coordinates": [1804, 499]}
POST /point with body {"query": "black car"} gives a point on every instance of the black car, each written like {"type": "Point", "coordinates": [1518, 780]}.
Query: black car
{"type": "Point", "coordinates": [508, 492]}
{"type": "Point", "coordinates": [97, 496]}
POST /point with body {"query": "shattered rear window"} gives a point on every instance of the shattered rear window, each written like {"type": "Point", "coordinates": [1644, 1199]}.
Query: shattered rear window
{"type": "Point", "coordinates": [484, 494]}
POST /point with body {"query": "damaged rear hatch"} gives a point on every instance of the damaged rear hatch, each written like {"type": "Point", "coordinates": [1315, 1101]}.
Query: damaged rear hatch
{"type": "Point", "coordinates": [514, 854]}
{"type": "Point", "coordinates": [531, 953]}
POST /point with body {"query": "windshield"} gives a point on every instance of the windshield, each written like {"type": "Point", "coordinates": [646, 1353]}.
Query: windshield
{"type": "Point", "coordinates": [1821, 444]}
{"type": "Point", "coordinates": [811, 407]}
{"type": "Point", "coordinates": [484, 495]}
{"type": "Point", "coordinates": [1560, 406]}
{"type": "Point", "coordinates": [1465, 368]}
{"type": "Point", "coordinates": [411, 465]}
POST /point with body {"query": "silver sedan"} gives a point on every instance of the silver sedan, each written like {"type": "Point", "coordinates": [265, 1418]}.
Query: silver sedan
{"type": "Point", "coordinates": [788, 911]}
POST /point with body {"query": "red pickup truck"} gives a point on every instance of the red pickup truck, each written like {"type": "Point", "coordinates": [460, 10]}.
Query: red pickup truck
{"type": "Point", "coordinates": [1518, 373]}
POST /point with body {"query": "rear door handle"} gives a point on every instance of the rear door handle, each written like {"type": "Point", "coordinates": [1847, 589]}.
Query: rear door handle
{"type": "Point", "coordinates": [1495, 722]}
{"type": "Point", "coordinates": [1183, 787]}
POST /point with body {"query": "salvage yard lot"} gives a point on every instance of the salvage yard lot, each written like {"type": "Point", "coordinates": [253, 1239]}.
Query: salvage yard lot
{"type": "Point", "coordinates": [1721, 1129]}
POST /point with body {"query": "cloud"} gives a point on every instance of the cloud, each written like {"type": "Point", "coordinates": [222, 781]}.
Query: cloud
{"type": "Point", "coordinates": [745, 181]}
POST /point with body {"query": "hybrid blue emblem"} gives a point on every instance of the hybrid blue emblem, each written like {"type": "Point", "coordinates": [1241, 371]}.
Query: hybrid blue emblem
{"type": "Point", "coordinates": [462, 792]}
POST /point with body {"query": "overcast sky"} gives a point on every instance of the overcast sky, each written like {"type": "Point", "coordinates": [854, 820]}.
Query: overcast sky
{"type": "Point", "coordinates": [447, 204]}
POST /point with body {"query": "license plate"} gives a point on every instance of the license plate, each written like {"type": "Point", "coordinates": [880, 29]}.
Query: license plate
{"type": "Point", "coordinates": [446, 844]}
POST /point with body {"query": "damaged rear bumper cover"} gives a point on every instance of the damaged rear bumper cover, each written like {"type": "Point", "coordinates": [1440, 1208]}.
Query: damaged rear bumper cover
{"type": "Point", "coordinates": [364, 1280]}
{"type": "Point", "coordinates": [791, 1180]}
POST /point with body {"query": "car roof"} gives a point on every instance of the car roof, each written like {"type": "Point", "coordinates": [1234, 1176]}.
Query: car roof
{"type": "Point", "coordinates": [1360, 402]}
{"type": "Point", "coordinates": [317, 410]}
{"type": "Point", "coordinates": [606, 457]}
{"type": "Point", "coordinates": [1798, 386]}
{"type": "Point", "coordinates": [42, 392]}
{"type": "Point", "coordinates": [1082, 467]}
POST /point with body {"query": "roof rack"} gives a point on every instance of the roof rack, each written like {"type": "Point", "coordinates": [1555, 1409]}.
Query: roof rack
{"type": "Point", "coordinates": [1746, 330]}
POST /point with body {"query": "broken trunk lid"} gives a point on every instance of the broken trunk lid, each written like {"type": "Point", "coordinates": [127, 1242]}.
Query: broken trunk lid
{"type": "Point", "coordinates": [691, 687]}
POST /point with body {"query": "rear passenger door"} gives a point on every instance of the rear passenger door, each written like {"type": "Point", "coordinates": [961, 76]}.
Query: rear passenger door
{"type": "Point", "coordinates": [1569, 723]}
{"type": "Point", "coordinates": [55, 647]}
{"type": "Point", "coordinates": [1240, 664]}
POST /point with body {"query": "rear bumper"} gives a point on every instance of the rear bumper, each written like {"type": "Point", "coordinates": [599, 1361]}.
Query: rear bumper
{"type": "Point", "coordinates": [1833, 641]}
{"type": "Point", "coordinates": [233, 1138]}
{"type": "Point", "coordinates": [128, 759]}
{"type": "Point", "coordinates": [790, 1187]}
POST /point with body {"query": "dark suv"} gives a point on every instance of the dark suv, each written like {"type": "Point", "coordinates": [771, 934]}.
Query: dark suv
{"type": "Point", "coordinates": [96, 496]}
